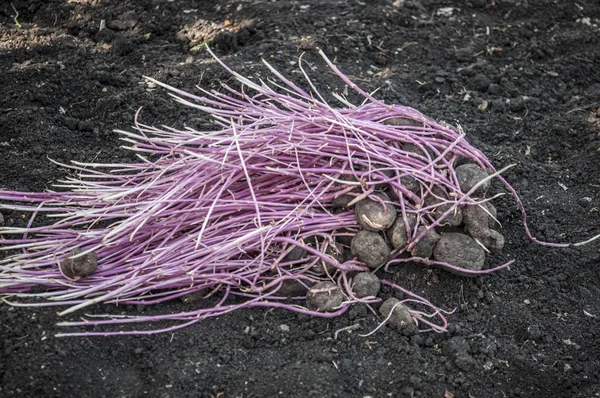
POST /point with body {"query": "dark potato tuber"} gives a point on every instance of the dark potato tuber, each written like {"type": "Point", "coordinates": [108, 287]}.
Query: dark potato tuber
{"type": "Point", "coordinates": [411, 184]}
{"type": "Point", "coordinates": [454, 219]}
{"type": "Point", "coordinates": [459, 250]}
{"type": "Point", "coordinates": [470, 175]}
{"type": "Point", "coordinates": [324, 297]}
{"type": "Point", "coordinates": [424, 247]}
{"type": "Point", "coordinates": [297, 253]}
{"type": "Point", "coordinates": [365, 284]}
{"type": "Point", "coordinates": [344, 236]}
{"type": "Point", "coordinates": [336, 251]}
{"type": "Point", "coordinates": [79, 266]}
{"type": "Point", "coordinates": [374, 215]}
{"type": "Point", "coordinates": [344, 200]}
{"type": "Point", "coordinates": [292, 288]}
{"type": "Point", "coordinates": [397, 232]}
{"type": "Point", "coordinates": [477, 220]}
{"type": "Point", "coordinates": [402, 121]}
{"type": "Point", "coordinates": [370, 248]}
{"type": "Point", "coordinates": [401, 319]}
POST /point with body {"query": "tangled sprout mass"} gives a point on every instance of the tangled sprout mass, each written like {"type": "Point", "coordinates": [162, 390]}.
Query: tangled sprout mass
{"type": "Point", "coordinates": [290, 203]}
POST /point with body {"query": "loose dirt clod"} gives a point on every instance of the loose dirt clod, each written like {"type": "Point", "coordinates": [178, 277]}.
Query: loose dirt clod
{"type": "Point", "coordinates": [401, 318]}
{"type": "Point", "coordinates": [365, 284]}
{"type": "Point", "coordinates": [397, 232]}
{"type": "Point", "coordinates": [373, 215]}
{"type": "Point", "coordinates": [324, 297]}
{"type": "Point", "coordinates": [370, 248]}
{"type": "Point", "coordinates": [469, 175]}
{"type": "Point", "coordinates": [424, 248]}
{"type": "Point", "coordinates": [459, 250]}
{"type": "Point", "coordinates": [79, 266]}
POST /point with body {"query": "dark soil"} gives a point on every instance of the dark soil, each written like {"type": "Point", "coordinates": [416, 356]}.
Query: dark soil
{"type": "Point", "coordinates": [521, 77]}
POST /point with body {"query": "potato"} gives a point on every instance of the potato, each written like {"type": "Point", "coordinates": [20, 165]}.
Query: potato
{"type": "Point", "coordinates": [401, 318]}
{"type": "Point", "coordinates": [336, 251]}
{"type": "Point", "coordinates": [80, 266]}
{"type": "Point", "coordinates": [478, 222]}
{"type": "Point", "coordinates": [365, 284]}
{"type": "Point", "coordinates": [292, 288]}
{"type": "Point", "coordinates": [397, 232]}
{"type": "Point", "coordinates": [459, 250]}
{"type": "Point", "coordinates": [324, 297]}
{"type": "Point", "coordinates": [470, 175]}
{"type": "Point", "coordinates": [374, 216]}
{"type": "Point", "coordinates": [425, 245]}
{"type": "Point", "coordinates": [345, 199]}
{"type": "Point", "coordinates": [454, 219]}
{"type": "Point", "coordinates": [297, 253]}
{"type": "Point", "coordinates": [410, 183]}
{"type": "Point", "coordinates": [402, 121]}
{"type": "Point", "coordinates": [370, 248]}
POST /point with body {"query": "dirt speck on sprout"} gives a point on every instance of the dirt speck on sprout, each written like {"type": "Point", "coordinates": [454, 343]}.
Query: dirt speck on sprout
{"type": "Point", "coordinates": [77, 267]}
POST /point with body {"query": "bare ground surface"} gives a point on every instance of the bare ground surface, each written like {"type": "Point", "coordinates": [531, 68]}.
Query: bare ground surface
{"type": "Point", "coordinates": [521, 77]}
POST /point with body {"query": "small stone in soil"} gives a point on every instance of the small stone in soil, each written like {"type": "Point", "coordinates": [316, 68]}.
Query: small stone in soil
{"type": "Point", "coordinates": [470, 175]}
{"type": "Point", "coordinates": [370, 248]}
{"type": "Point", "coordinates": [365, 284]}
{"type": "Point", "coordinates": [324, 297]}
{"type": "Point", "coordinates": [401, 318]}
{"type": "Point", "coordinates": [459, 250]}
{"type": "Point", "coordinates": [424, 247]}
{"type": "Point", "coordinates": [79, 266]}
{"type": "Point", "coordinates": [372, 215]}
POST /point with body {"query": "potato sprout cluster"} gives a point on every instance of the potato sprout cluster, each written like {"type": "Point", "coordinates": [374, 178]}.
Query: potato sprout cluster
{"type": "Point", "coordinates": [288, 203]}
